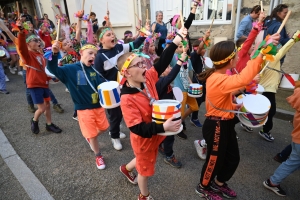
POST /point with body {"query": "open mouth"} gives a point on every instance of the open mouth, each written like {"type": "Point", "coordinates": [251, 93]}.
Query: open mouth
{"type": "Point", "coordinates": [91, 62]}
{"type": "Point", "coordinates": [113, 41]}
{"type": "Point", "coordinates": [144, 73]}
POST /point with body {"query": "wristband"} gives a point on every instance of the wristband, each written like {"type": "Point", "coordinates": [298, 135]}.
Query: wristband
{"type": "Point", "coordinates": [180, 60]}
{"type": "Point", "coordinates": [180, 36]}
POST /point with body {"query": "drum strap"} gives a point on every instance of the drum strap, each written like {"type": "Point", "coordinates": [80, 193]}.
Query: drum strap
{"type": "Point", "coordinates": [287, 76]}
{"type": "Point", "coordinates": [88, 79]}
{"type": "Point", "coordinates": [110, 61]}
{"type": "Point", "coordinates": [148, 95]}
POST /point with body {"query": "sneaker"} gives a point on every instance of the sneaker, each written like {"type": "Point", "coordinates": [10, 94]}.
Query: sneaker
{"type": "Point", "coordinates": [53, 128]}
{"type": "Point", "coordinates": [116, 143]}
{"type": "Point", "coordinates": [161, 150]}
{"type": "Point", "coordinates": [246, 128]}
{"type": "Point", "coordinates": [12, 70]}
{"type": "Point", "coordinates": [201, 150]}
{"type": "Point", "coordinates": [35, 126]}
{"type": "Point", "coordinates": [4, 91]}
{"type": "Point", "coordinates": [276, 188]}
{"type": "Point", "coordinates": [57, 108]}
{"type": "Point", "coordinates": [31, 108]}
{"type": "Point", "coordinates": [196, 122]}
{"type": "Point", "coordinates": [88, 141]}
{"type": "Point", "coordinates": [141, 197]}
{"type": "Point", "coordinates": [75, 116]}
{"type": "Point", "coordinates": [183, 126]}
{"type": "Point", "coordinates": [129, 175]}
{"type": "Point", "coordinates": [6, 79]}
{"type": "Point", "coordinates": [278, 158]}
{"type": "Point", "coordinates": [224, 189]}
{"type": "Point", "coordinates": [208, 194]}
{"type": "Point", "coordinates": [266, 136]}
{"type": "Point", "coordinates": [122, 135]}
{"type": "Point", "coordinates": [182, 135]}
{"type": "Point", "coordinates": [67, 90]}
{"type": "Point", "coordinates": [100, 162]}
{"type": "Point", "coordinates": [20, 73]}
{"type": "Point", "coordinates": [173, 162]}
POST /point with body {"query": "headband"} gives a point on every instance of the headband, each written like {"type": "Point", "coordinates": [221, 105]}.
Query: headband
{"type": "Point", "coordinates": [225, 59]}
{"type": "Point", "coordinates": [103, 32]}
{"type": "Point", "coordinates": [89, 46]}
{"type": "Point", "coordinates": [30, 38]}
{"type": "Point", "coordinates": [127, 63]}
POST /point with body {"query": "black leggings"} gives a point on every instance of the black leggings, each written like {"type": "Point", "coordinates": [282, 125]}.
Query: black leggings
{"type": "Point", "coordinates": [269, 124]}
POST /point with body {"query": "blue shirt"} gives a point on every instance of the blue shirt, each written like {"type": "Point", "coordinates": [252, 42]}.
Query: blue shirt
{"type": "Point", "coordinates": [162, 29]}
{"type": "Point", "coordinates": [245, 27]}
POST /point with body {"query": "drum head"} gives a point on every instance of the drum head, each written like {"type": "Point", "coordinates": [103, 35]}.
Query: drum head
{"type": "Point", "coordinates": [2, 53]}
{"type": "Point", "coordinates": [178, 94]}
{"type": "Point", "coordinates": [256, 104]}
{"type": "Point", "coordinates": [208, 62]}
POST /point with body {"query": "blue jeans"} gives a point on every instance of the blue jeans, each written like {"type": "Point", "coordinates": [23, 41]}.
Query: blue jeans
{"type": "Point", "coordinates": [287, 167]}
{"type": "Point", "coordinates": [2, 77]}
{"type": "Point", "coordinates": [28, 95]}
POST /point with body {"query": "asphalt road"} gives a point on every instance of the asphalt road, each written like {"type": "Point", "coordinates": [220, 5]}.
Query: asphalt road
{"type": "Point", "coordinates": [65, 165]}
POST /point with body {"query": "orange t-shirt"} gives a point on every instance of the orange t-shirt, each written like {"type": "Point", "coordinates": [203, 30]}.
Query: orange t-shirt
{"type": "Point", "coordinates": [220, 86]}
{"type": "Point", "coordinates": [136, 109]}
{"type": "Point", "coordinates": [294, 101]}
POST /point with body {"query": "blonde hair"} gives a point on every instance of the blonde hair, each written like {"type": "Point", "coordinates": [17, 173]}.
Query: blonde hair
{"type": "Point", "coordinates": [122, 59]}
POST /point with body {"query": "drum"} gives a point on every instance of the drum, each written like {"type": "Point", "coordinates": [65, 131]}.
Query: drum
{"type": "Point", "coordinates": [260, 89]}
{"type": "Point", "coordinates": [109, 94]}
{"type": "Point", "coordinates": [195, 90]}
{"type": "Point", "coordinates": [2, 53]}
{"type": "Point", "coordinates": [162, 110]}
{"type": "Point", "coordinates": [208, 62]}
{"type": "Point", "coordinates": [255, 110]}
{"type": "Point", "coordinates": [286, 83]}
{"type": "Point", "coordinates": [49, 74]}
{"type": "Point", "coordinates": [177, 94]}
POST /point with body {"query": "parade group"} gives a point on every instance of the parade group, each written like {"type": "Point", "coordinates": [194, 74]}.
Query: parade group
{"type": "Point", "coordinates": [154, 69]}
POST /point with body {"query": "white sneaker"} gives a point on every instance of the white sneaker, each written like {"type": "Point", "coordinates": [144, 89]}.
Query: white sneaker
{"type": "Point", "coordinates": [20, 73]}
{"type": "Point", "coordinates": [6, 79]}
{"type": "Point", "coordinates": [67, 90]}
{"type": "Point", "coordinates": [12, 70]}
{"type": "Point", "coordinates": [122, 135]}
{"type": "Point", "coordinates": [201, 150]}
{"type": "Point", "coordinates": [116, 143]}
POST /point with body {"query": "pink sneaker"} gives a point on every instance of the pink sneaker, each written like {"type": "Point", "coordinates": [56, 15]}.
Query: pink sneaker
{"type": "Point", "coordinates": [129, 175]}
{"type": "Point", "coordinates": [100, 162]}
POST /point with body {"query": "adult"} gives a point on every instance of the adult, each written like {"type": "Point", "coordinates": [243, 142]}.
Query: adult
{"type": "Point", "coordinates": [160, 27]}
{"type": "Point", "coordinates": [245, 25]}
{"type": "Point", "coordinates": [45, 18]}
{"type": "Point", "coordinates": [273, 23]}
{"type": "Point", "coordinates": [26, 15]}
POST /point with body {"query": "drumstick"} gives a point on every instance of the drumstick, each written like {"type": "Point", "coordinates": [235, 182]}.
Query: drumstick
{"type": "Point", "coordinates": [284, 21]}
{"type": "Point", "coordinates": [83, 4]}
{"type": "Point", "coordinates": [58, 30]}
{"type": "Point", "coordinates": [181, 19]}
{"type": "Point", "coordinates": [54, 11]}
{"type": "Point", "coordinates": [260, 73]}
{"type": "Point", "coordinates": [212, 22]}
{"type": "Point", "coordinates": [147, 15]}
{"type": "Point", "coordinates": [137, 16]}
{"type": "Point", "coordinates": [261, 7]}
{"type": "Point", "coordinates": [107, 6]}
{"type": "Point", "coordinates": [18, 9]}
{"type": "Point", "coordinates": [90, 9]}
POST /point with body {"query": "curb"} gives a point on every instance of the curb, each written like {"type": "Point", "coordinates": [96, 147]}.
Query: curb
{"type": "Point", "coordinates": [284, 115]}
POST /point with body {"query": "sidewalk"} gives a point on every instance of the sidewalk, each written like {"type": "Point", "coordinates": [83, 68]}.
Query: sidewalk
{"type": "Point", "coordinates": [284, 111]}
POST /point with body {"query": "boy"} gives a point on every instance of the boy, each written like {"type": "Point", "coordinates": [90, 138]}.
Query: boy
{"type": "Point", "coordinates": [82, 80]}
{"type": "Point", "coordinates": [137, 95]}
{"type": "Point", "coordinates": [36, 78]}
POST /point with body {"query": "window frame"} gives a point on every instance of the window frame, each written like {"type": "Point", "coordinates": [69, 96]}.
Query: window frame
{"type": "Point", "coordinates": [205, 21]}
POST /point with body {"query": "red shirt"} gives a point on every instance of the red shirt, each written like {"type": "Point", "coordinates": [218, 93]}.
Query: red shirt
{"type": "Point", "coordinates": [46, 38]}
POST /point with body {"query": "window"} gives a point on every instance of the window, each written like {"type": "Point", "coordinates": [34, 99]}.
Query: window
{"type": "Point", "coordinates": [220, 10]}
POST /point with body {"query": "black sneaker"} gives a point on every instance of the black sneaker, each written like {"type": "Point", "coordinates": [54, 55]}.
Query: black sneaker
{"type": "Point", "coordinates": [208, 194]}
{"type": "Point", "coordinates": [183, 124]}
{"type": "Point", "coordinates": [247, 128]}
{"type": "Point", "coordinates": [35, 126]}
{"type": "Point", "coordinates": [53, 128]}
{"type": "Point", "coordinates": [4, 91]}
{"type": "Point", "coordinates": [182, 135]}
{"type": "Point", "coordinates": [58, 108]}
{"type": "Point", "coordinates": [224, 189]}
{"type": "Point", "coordinates": [276, 189]}
{"type": "Point", "coordinates": [172, 161]}
{"type": "Point", "coordinates": [31, 108]}
{"type": "Point", "coordinates": [266, 136]}
{"type": "Point", "coordinates": [278, 158]}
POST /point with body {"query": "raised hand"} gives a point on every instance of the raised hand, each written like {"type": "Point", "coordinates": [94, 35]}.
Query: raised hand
{"type": "Point", "coordinates": [171, 125]}
{"type": "Point", "coordinates": [261, 17]}
{"type": "Point", "coordinates": [80, 13]}
{"type": "Point", "coordinates": [275, 38]}
{"type": "Point", "coordinates": [55, 47]}
{"type": "Point", "coordinates": [183, 55]}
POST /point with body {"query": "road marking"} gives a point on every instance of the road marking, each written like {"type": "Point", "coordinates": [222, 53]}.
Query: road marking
{"type": "Point", "coordinates": [33, 187]}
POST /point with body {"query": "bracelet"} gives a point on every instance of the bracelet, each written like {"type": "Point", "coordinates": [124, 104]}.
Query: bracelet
{"type": "Point", "coordinates": [180, 36]}
{"type": "Point", "coordinates": [180, 60]}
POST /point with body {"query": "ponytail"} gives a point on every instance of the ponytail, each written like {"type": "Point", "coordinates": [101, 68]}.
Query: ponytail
{"type": "Point", "coordinates": [206, 74]}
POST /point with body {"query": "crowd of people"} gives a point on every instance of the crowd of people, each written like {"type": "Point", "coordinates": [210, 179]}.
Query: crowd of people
{"type": "Point", "coordinates": [147, 65]}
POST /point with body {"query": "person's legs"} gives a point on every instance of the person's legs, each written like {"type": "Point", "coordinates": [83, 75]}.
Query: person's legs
{"type": "Point", "coordinates": [286, 152]}
{"type": "Point", "coordinates": [56, 105]}
{"type": "Point", "coordinates": [193, 106]}
{"type": "Point", "coordinates": [115, 118]}
{"type": "Point", "coordinates": [265, 133]}
{"type": "Point", "coordinates": [31, 107]}
{"type": "Point", "coordinates": [2, 79]}
{"type": "Point", "coordinates": [143, 185]}
{"type": "Point", "coordinates": [195, 113]}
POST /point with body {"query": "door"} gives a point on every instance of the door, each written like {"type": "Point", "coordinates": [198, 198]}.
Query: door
{"type": "Point", "coordinates": [169, 8]}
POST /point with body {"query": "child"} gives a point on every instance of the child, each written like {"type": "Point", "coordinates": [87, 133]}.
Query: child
{"type": "Point", "coordinates": [94, 22]}
{"type": "Point", "coordinates": [36, 78]}
{"type": "Point", "coordinates": [270, 80]}
{"type": "Point", "coordinates": [293, 162]}
{"type": "Point", "coordinates": [183, 81]}
{"type": "Point", "coordinates": [106, 64]}
{"type": "Point", "coordinates": [218, 128]}
{"type": "Point", "coordinates": [164, 91]}
{"type": "Point", "coordinates": [82, 80]}
{"type": "Point", "coordinates": [137, 96]}
{"type": "Point", "coordinates": [44, 34]}
{"type": "Point", "coordinates": [149, 49]}
{"type": "Point", "coordinates": [2, 75]}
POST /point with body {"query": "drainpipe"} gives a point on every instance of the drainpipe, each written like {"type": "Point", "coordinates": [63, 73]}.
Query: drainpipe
{"type": "Point", "coordinates": [237, 20]}
{"type": "Point", "coordinates": [271, 7]}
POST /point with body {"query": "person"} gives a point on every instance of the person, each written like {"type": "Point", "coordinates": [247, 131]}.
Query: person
{"type": "Point", "coordinates": [94, 22]}
{"type": "Point", "coordinates": [45, 18]}
{"type": "Point", "coordinates": [160, 27]}
{"type": "Point", "coordinates": [106, 64]}
{"type": "Point", "coordinates": [149, 49]}
{"type": "Point", "coordinates": [245, 25]}
{"type": "Point", "coordinates": [137, 95]}
{"type": "Point", "coordinates": [36, 78]}
{"type": "Point", "coordinates": [26, 15]}
{"type": "Point", "coordinates": [44, 34]}
{"type": "Point", "coordinates": [270, 80]}
{"type": "Point", "coordinates": [293, 162]}
{"type": "Point", "coordinates": [273, 22]}
{"type": "Point", "coordinates": [3, 89]}
{"type": "Point", "coordinates": [218, 129]}
{"type": "Point", "coordinates": [284, 154]}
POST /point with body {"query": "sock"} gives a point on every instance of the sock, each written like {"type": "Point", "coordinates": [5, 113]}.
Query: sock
{"type": "Point", "coordinates": [49, 124]}
{"type": "Point", "coordinates": [98, 154]}
{"type": "Point", "coordinates": [127, 168]}
{"type": "Point", "coordinates": [142, 196]}
{"type": "Point", "coordinates": [33, 119]}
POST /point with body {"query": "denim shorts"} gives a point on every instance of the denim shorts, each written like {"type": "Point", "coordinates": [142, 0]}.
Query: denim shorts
{"type": "Point", "coordinates": [39, 95]}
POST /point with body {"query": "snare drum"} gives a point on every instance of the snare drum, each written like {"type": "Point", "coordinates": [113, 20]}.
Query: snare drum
{"type": "Point", "coordinates": [109, 93]}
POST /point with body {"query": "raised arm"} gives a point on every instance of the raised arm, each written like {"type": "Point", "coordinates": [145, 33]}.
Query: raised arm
{"type": "Point", "coordinates": [7, 31]}
{"type": "Point", "coordinates": [79, 25]}
{"type": "Point", "coordinates": [89, 32]}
